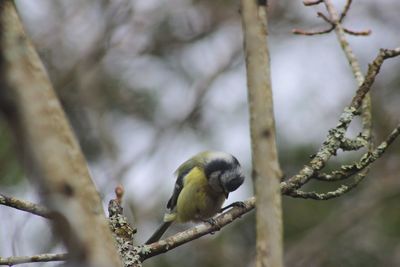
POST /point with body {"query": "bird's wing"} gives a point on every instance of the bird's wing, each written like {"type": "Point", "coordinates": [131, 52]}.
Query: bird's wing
{"type": "Point", "coordinates": [181, 172]}
{"type": "Point", "coordinates": [177, 190]}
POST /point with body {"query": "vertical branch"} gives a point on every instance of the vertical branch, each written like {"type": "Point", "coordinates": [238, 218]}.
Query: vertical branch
{"type": "Point", "coordinates": [266, 170]}
{"type": "Point", "coordinates": [366, 109]}
{"type": "Point", "coordinates": [48, 146]}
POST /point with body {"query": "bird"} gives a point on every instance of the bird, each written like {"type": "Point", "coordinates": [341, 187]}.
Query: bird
{"type": "Point", "coordinates": [203, 182]}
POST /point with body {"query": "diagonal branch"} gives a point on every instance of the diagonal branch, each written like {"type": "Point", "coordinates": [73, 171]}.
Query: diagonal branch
{"type": "Point", "coordinates": [162, 246]}
{"type": "Point", "coordinates": [24, 205]}
{"type": "Point", "coordinates": [345, 10]}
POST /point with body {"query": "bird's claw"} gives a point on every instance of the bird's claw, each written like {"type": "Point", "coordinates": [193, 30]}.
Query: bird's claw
{"type": "Point", "coordinates": [213, 223]}
{"type": "Point", "coordinates": [238, 204]}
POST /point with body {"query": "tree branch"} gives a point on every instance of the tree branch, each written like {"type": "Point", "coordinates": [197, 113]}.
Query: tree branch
{"type": "Point", "coordinates": [312, 2]}
{"type": "Point", "coordinates": [162, 246]}
{"type": "Point", "coordinates": [332, 194]}
{"type": "Point", "coordinates": [123, 232]}
{"type": "Point", "coordinates": [345, 10]}
{"type": "Point", "coordinates": [336, 135]}
{"type": "Point", "coordinates": [353, 144]}
{"type": "Point", "coordinates": [10, 261]}
{"type": "Point", "coordinates": [348, 170]}
{"type": "Point", "coordinates": [24, 205]}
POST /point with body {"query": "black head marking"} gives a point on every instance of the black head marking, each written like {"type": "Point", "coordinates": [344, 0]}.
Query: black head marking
{"type": "Point", "coordinates": [218, 165]}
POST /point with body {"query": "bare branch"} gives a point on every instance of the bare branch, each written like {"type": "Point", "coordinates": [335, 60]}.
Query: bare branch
{"type": "Point", "coordinates": [162, 246]}
{"type": "Point", "coordinates": [348, 170]}
{"type": "Point", "coordinates": [311, 2]}
{"type": "Point", "coordinates": [345, 10]}
{"type": "Point", "coordinates": [373, 70]}
{"type": "Point", "coordinates": [10, 261]}
{"type": "Point", "coordinates": [325, 18]}
{"type": "Point", "coordinates": [336, 135]}
{"type": "Point", "coordinates": [24, 205]}
{"type": "Point", "coordinates": [357, 33]}
{"type": "Point", "coordinates": [311, 33]}
{"type": "Point", "coordinates": [332, 194]}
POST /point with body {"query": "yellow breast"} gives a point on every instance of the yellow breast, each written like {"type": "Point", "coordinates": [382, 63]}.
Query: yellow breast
{"type": "Point", "coordinates": [197, 200]}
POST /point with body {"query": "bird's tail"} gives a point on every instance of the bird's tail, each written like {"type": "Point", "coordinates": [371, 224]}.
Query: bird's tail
{"type": "Point", "coordinates": [158, 233]}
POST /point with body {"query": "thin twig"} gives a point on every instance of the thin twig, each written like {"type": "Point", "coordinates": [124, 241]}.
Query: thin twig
{"type": "Point", "coordinates": [357, 33]}
{"type": "Point", "coordinates": [325, 18]}
{"type": "Point", "coordinates": [311, 33]}
{"type": "Point", "coordinates": [10, 261]}
{"type": "Point", "coordinates": [24, 205]}
{"type": "Point", "coordinates": [312, 3]}
{"type": "Point", "coordinates": [335, 21]}
{"type": "Point", "coordinates": [332, 194]}
{"type": "Point", "coordinates": [345, 10]}
{"type": "Point", "coordinates": [348, 170]}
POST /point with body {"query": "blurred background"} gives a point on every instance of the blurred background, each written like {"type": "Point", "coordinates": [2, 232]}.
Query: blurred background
{"type": "Point", "coordinates": [147, 83]}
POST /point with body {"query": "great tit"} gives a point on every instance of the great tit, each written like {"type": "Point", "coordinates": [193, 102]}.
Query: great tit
{"type": "Point", "coordinates": [203, 183]}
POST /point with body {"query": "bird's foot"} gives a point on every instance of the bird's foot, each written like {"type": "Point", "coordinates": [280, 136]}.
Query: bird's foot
{"type": "Point", "coordinates": [239, 204]}
{"type": "Point", "coordinates": [213, 223]}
